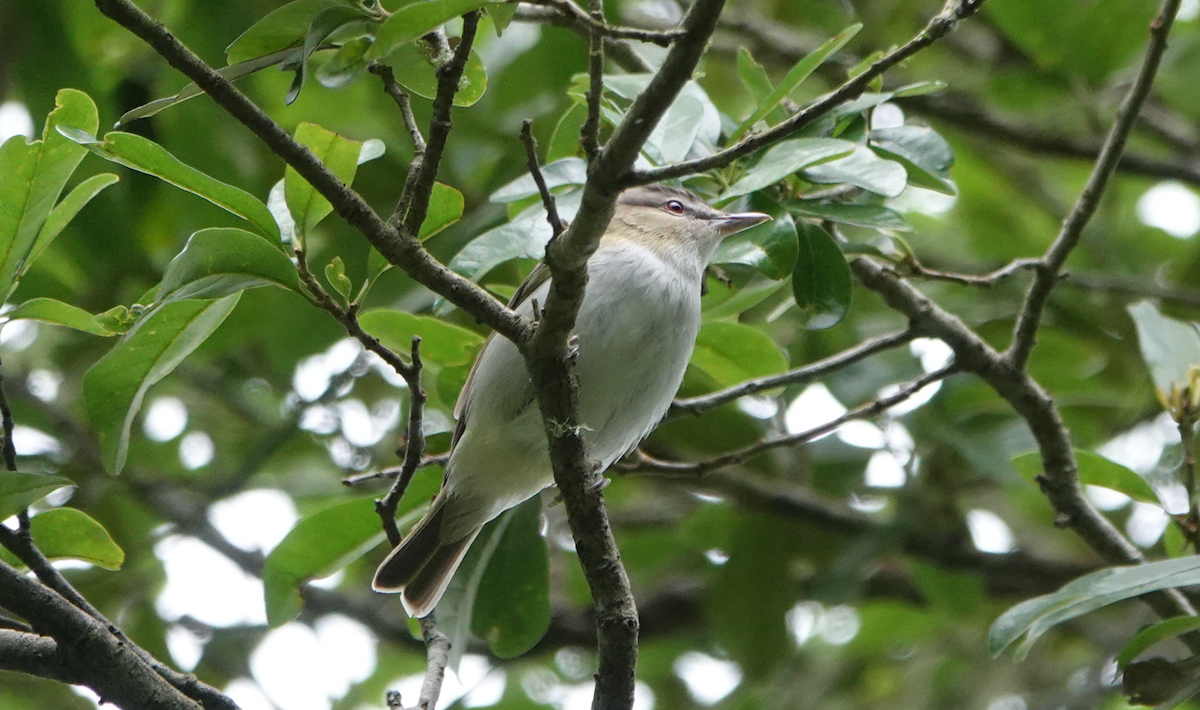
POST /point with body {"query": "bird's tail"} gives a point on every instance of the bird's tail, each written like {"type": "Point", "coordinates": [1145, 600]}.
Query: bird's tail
{"type": "Point", "coordinates": [423, 563]}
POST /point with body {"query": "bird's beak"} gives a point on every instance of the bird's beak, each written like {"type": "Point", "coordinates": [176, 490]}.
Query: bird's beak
{"type": "Point", "coordinates": [739, 221]}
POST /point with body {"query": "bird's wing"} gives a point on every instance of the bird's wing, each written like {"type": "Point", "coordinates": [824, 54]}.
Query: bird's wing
{"type": "Point", "coordinates": [532, 282]}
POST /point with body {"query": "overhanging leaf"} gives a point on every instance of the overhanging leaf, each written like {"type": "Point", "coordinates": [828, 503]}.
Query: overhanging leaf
{"type": "Point", "coordinates": [415, 67]}
{"type": "Point", "coordinates": [731, 353]}
{"type": "Point", "coordinates": [925, 155]}
{"type": "Point", "coordinates": [338, 154]}
{"type": "Point", "coordinates": [568, 171]}
{"type": "Point", "coordinates": [19, 490]}
{"type": "Point", "coordinates": [787, 158]}
{"type": "Point", "coordinates": [445, 208]}
{"type": "Point", "coordinates": [770, 247]}
{"type": "Point", "coordinates": [114, 387]}
{"type": "Point", "coordinates": [220, 261]}
{"type": "Point", "coordinates": [821, 280]}
{"type": "Point", "coordinates": [146, 156]}
{"type": "Point", "coordinates": [49, 310]}
{"type": "Point", "coordinates": [70, 534]}
{"type": "Point", "coordinates": [282, 28]}
{"type": "Point", "coordinates": [414, 21]}
{"type": "Point", "coordinates": [65, 211]}
{"type": "Point", "coordinates": [862, 168]}
{"type": "Point", "coordinates": [1171, 349]}
{"type": "Point", "coordinates": [871, 216]}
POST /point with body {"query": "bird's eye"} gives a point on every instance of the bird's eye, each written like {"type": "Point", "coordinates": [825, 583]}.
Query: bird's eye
{"type": "Point", "coordinates": [673, 206]}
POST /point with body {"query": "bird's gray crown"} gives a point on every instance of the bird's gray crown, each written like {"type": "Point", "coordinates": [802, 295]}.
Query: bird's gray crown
{"type": "Point", "coordinates": [658, 195]}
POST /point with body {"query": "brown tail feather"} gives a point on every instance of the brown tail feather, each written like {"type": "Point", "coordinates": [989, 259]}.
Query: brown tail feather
{"type": "Point", "coordinates": [424, 591]}
{"type": "Point", "coordinates": [407, 558]}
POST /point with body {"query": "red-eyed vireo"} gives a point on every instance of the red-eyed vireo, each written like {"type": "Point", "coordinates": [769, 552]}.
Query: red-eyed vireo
{"type": "Point", "coordinates": [636, 329]}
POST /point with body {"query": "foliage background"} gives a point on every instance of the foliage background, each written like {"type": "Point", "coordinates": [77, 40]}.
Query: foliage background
{"type": "Point", "coordinates": [858, 595]}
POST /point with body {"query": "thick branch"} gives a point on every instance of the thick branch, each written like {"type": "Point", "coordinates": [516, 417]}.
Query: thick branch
{"type": "Point", "coordinates": [1046, 275]}
{"type": "Point", "coordinates": [400, 248]}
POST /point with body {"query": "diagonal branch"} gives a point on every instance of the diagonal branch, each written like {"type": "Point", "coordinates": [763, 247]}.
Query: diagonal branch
{"type": "Point", "coordinates": [1046, 274]}
{"type": "Point", "coordinates": [398, 247]}
{"type": "Point", "coordinates": [800, 375]}
{"type": "Point", "coordinates": [952, 13]}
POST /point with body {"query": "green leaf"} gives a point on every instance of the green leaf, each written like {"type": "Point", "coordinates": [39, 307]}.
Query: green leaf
{"type": "Point", "coordinates": [798, 74]}
{"type": "Point", "coordinates": [731, 353]}
{"type": "Point", "coordinates": [328, 540]}
{"type": "Point", "coordinates": [1036, 616]}
{"type": "Point", "coordinates": [148, 157]}
{"type": "Point", "coordinates": [862, 168]}
{"type": "Point", "coordinates": [220, 261]}
{"type": "Point", "coordinates": [770, 247]}
{"type": "Point", "coordinates": [787, 158]}
{"type": "Point", "coordinates": [870, 216]}
{"type": "Point", "coordinates": [924, 154]}
{"type": "Point", "coordinates": [280, 29]}
{"type": "Point", "coordinates": [821, 280]}
{"type": "Point", "coordinates": [414, 21]}
{"type": "Point", "coordinates": [441, 342]}
{"type": "Point", "coordinates": [49, 310]}
{"type": "Point", "coordinates": [502, 15]}
{"type": "Point", "coordinates": [753, 76]}
{"type": "Point", "coordinates": [1171, 349]}
{"type": "Point", "coordinates": [1154, 633]}
{"type": "Point", "coordinates": [32, 176]}
{"type": "Point", "coordinates": [19, 490]}
{"type": "Point", "coordinates": [564, 143]}
{"type": "Point", "coordinates": [335, 272]}
{"type": "Point", "coordinates": [415, 66]}
{"type": "Point", "coordinates": [338, 154]}
{"type": "Point", "coordinates": [114, 387]}
{"type": "Point", "coordinates": [326, 22]}
{"type": "Point", "coordinates": [347, 64]}
{"type": "Point", "coordinates": [445, 208]}
{"type": "Point", "coordinates": [233, 72]}
{"type": "Point", "coordinates": [524, 237]}
{"type": "Point", "coordinates": [512, 607]}
{"type": "Point", "coordinates": [1095, 470]}
{"type": "Point", "coordinates": [66, 210]}
{"type": "Point", "coordinates": [568, 171]}
{"type": "Point", "coordinates": [70, 534]}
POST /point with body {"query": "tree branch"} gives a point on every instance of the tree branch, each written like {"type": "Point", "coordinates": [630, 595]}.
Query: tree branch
{"type": "Point", "coordinates": [952, 13]}
{"type": "Point", "coordinates": [799, 376]}
{"type": "Point", "coordinates": [398, 247]}
{"type": "Point", "coordinates": [1046, 274]}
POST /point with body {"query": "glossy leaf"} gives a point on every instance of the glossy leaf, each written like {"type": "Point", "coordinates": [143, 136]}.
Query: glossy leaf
{"type": "Point", "coordinates": [512, 607]}
{"type": "Point", "coordinates": [32, 176]}
{"type": "Point", "coordinates": [335, 273]}
{"type": "Point", "coordinates": [415, 20]}
{"type": "Point", "coordinates": [925, 155]}
{"type": "Point", "coordinates": [280, 29]}
{"type": "Point", "coordinates": [415, 67]}
{"type": "Point", "coordinates": [524, 237]}
{"type": "Point", "coordinates": [441, 342]}
{"type": "Point", "coordinates": [732, 352]}
{"type": "Point", "coordinates": [771, 247]}
{"type": "Point", "coordinates": [564, 143]}
{"type": "Point", "coordinates": [326, 23]}
{"type": "Point", "coordinates": [19, 490]}
{"type": "Point", "coordinates": [1095, 470]}
{"type": "Point", "coordinates": [146, 156]}
{"type": "Point", "coordinates": [871, 216]}
{"type": "Point", "coordinates": [862, 168]}
{"type": "Point", "coordinates": [70, 534]}
{"type": "Point", "coordinates": [821, 281]}
{"type": "Point", "coordinates": [445, 208]}
{"type": "Point", "coordinates": [49, 310]}
{"type": "Point", "coordinates": [348, 64]}
{"type": "Point", "coordinates": [1036, 616]}
{"type": "Point", "coordinates": [115, 386]}
{"type": "Point", "coordinates": [788, 158]}
{"type": "Point", "coordinates": [801, 71]}
{"type": "Point", "coordinates": [338, 154]}
{"type": "Point", "coordinates": [1170, 348]}
{"type": "Point", "coordinates": [221, 261]}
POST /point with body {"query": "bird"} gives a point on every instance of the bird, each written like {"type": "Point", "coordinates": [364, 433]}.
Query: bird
{"type": "Point", "coordinates": [633, 337]}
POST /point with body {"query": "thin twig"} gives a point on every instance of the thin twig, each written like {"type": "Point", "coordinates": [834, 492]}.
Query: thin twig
{"type": "Point", "coordinates": [914, 268]}
{"type": "Point", "coordinates": [954, 12]}
{"type": "Point", "coordinates": [799, 376]}
{"type": "Point", "coordinates": [572, 13]}
{"type": "Point", "coordinates": [1046, 276]}
{"type": "Point", "coordinates": [393, 471]}
{"type": "Point", "coordinates": [437, 655]}
{"type": "Point", "coordinates": [414, 203]}
{"type": "Point", "coordinates": [589, 133]}
{"type": "Point", "coordinates": [647, 464]}
{"type": "Point", "coordinates": [1187, 442]}
{"type": "Point", "coordinates": [414, 448]}
{"type": "Point", "coordinates": [531, 158]}
{"type": "Point", "coordinates": [392, 88]}
{"type": "Point", "coordinates": [618, 50]}
{"type": "Point", "coordinates": [8, 448]}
